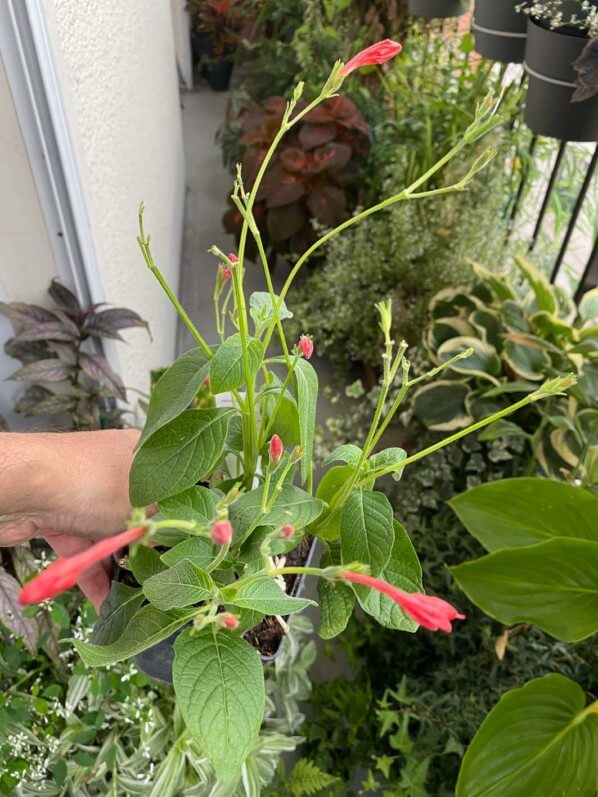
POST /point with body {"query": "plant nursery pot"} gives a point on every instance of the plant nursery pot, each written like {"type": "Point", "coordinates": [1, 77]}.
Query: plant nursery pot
{"type": "Point", "coordinates": [499, 30]}
{"type": "Point", "coordinates": [201, 45]}
{"type": "Point", "coordinates": [267, 638]}
{"type": "Point", "coordinates": [437, 9]}
{"type": "Point", "coordinates": [219, 74]}
{"type": "Point", "coordinates": [549, 57]}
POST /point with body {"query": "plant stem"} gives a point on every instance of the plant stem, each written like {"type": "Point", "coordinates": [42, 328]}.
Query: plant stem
{"type": "Point", "coordinates": [279, 399]}
{"type": "Point", "coordinates": [292, 571]}
{"type": "Point", "coordinates": [220, 556]}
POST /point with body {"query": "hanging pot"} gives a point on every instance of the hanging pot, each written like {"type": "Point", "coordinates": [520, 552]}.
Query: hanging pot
{"type": "Point", "coordinates": [438, 9]}
{"type": "Point", "coordinates": [549, 57]}
{"type": "Point", "coordinates": [219, 74]}
{"type": "Point", "coordinates": [499, 30]}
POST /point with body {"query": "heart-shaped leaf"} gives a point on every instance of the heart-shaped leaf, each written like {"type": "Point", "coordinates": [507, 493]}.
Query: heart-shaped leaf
{"type": "Point", "coordinates": [226, 366]}
{"type": "Point", "coordinates": [183, 585]}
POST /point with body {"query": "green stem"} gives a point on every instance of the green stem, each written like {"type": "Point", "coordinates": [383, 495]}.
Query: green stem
{"type": "Point", "coordinates": [279, 400]}
{"type": "Point", "coordinates": [218, 559]}
{"type": "Point", "coordinates": [292, 571]}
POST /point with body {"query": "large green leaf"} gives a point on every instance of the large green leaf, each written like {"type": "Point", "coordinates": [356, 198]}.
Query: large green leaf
{"type": "Point", "coordinates": [293, 506]}
{"type": "Point", "coordinates": [544, 293]}
{"type": "Point", "coordinates": [483, 363]}
{"type": "Point", "coordinates": [145, 563]}
{"type": "Point", "coordinates": [286, 422]}
{"type": "Point", "coordinates": [513, 512]}
{"type": "Point", "coordinates": [219, 682]}
{"type": "Point", "coordinates": [115, 613]}
{"type": "Point", "coordinates": [367, 532]}
{"type": "Point", "coordinates": [553, 584]}
{"type": "Point", "coordinates": [182, 585]}
{"type": "Point", "coordinates": [336, 601]}
{"type": "Point", "coordinates": [347, 453]}
{"type": "Point", "coordinates": [538, 740]}
{"type": "Point", "coordinates": [147, 627]}
{"type": "Point", "coordinates": [441, 405]}
{"type": "Point", "coordinates": [198, 505]}
{"type": "Point", "coordinates": [307, 399]}
{"type": "Point", "coordinates": [403, 570]}
{"type": "Point", "coordinates": [178, 455]}
{"type": "Point", "coordinates": [226, 366]}
{"type": "Point", "coordinates": [588, 306]}
{"type": "Point", "coordinates": [329, 528]}
{"type": "Point", "coordinates": [198, 550]}
{"type": "Point", "coordinates": [525, 359]}
{"type": "Point", "coordinates": [174, 391]}
{"type": "Point", "coordinates": [264, 595]}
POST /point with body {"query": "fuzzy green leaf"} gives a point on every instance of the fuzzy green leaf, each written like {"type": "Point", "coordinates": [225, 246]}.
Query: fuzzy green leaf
{"type": "Point", "coordinates": [115, 613]}
{"type": "Point", "coordinates": [387, 458]}
{"type": "Point", "coordinates": [367, 533]}
{"type": "Point", "coordinates": [182, 585]}
{"type": "Point", "coordinates": [307, 399]}
{"type": "Point", "coordinates": [198, 550]}
{"type": "Point", "coordinates": [197, 505]}
{"type": "Point", "coordinates": [293, 506]}
{"type": "Point", "coordinates": [347, 453]}
{"type": "Point", "coordinates": [145, 563]}
{"type": "Point", "coordinates": [264, 595]}
{"type": "Point", "coordinates": [226, 366]}
{"type": "Point", "coordinates": [262, 311]}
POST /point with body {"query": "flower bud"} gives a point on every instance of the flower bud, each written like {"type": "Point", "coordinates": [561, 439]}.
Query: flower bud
{"type": "Point", "coordinates": [232, 257]}
{"type": "Point", "coordinates": [227, 273]}
{"type": "Point", "coordinates": [222, 532]}
{"type": "Point", "coordinates": [306, 346]}
{"type": "Point", "coordinates": [287, 531]}
{"type": "Point", "coordinates": [229, 621]}
{"type": "Point", "coordinates": [276, 449]}
{"type": "Point", "coordinates": [377, 53]}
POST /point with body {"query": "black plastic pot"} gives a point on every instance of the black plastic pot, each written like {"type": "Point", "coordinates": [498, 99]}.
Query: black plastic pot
{"type": "Point", "coordinates": [157, 661]}
{"type": "Point", "coordinates": [201, 45]}
{"type": "Point", "coordinates": [549, 57]}
{"type": "Point", "coordinates": [437, 9]}
{"type": "Point", "coordinates": [219, 73]}
{"type": "Point", "coordinates": [500, 31]}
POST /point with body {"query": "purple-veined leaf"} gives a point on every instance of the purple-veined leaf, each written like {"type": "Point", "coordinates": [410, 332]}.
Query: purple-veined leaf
{"type": "Point", "coordinates": [25, 314]}
{"type": "Point", "coordinates": [26, 352]}
{"type": "Point", "coordinates": [106, 323]}
{"type": "Point", "coordinates": [51, 370]}
{"type": "Point", "coordinates": [98, 369]}
{"type": "Point", "coordinates": [11, 612]}
{"type": "Point", "coordinates": [62, 296]}
{"type": "Point", "coordinates": [52, 330]}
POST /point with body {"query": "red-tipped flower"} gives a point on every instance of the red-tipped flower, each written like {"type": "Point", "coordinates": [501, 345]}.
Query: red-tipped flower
{"type": "Point", "coordinates": [377, 53]}
{"type": "Point", "coordinates": [64, 573]}
{"type": "Point", "coordinates": [229, 621]}
{"type": "Point", "coordinates": [222, 532]}
{"type": "Point", "coordinates": [276, 448]}
{"type": "Point", "coordinates": [232, 257]}
{"type": "Point", "coordinates": [430, 612]}
{"type": "Point", "coordinates": [306, 346]}
{"type": "Point", "coordinates": [287, 531]}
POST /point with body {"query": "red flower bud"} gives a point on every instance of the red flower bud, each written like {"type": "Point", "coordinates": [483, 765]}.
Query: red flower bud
{"type": "Point", "coordinates": [232, 257]}
{"type": "Point", "coordinates": [287, 531]}
{"type": "Point", "coordinates": [222, 532]}
{"type": "Point", "coordinates": [276, 449]}
{"type": "Point", "coordinates": [64, 573]}
{"type": "Point", "coordinates": [306, 346]}
{"type": "Point", "coordinates": [229, 621]}
{"type": "Point", "coordinates": [430, 612]}
{"type": "Point", "coordinates": [377, 53]}
{"type": "Point", "coordinates": [227, 273]}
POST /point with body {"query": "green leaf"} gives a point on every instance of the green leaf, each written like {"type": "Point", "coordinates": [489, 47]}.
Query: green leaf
{"type": "Point", "coordinates": [178, 455]}
{"type": "Point", "coordinates": [198, 550]}
{"type": "Point", "coordinates": [367, 533]}
{"type": "Point", "coordinates": [145, 563]}
{"type": "Point", "coordinates": [526, 360]}
{"type": "Point", "coordinates": [182, 585]}
{"type": "Point", "coordinates": [441, 406]}
{"type": "Point", "coordinates": [545, 297]}
{"type": "Point", "coordinates": [307, 779]}
{"type": "Point", "coordinates": [219, 683]}
{"type": "Point", "coordinates": [286, 422]}
{"type": "Point", "coordinates": [175, 390]}
{"type": "Point", "coordinates": [11, 612]}
{"type": "Point", "coordinates": [293, 506]}
{"type": "Point", "coordinates": [262, 311]}
{"type": "Point", "coordinates": [264, 595]}
{"type": "Point", "coordinates": [197, 505]}
{"type": "Point", "coordinates": [403, 570]}
{"type": "Point", "coordinates": [390, 457]}
{"type": "Point", "coordinates": [307, 399]}
{"type": "Point", "coordinates": [538, 740]}
{"type": "Point", "coordinates": [483, 363]}
{"type": "Point", "coordinates": [226, 366]}
{"type": "Point", "coordinates": [500, 429]}
{"type": "Point", "coordinates": [553, 584]}
{"type": "Point", "coordinates": [336, 601]}
{"type": "Point", "coordinates": [116, 613]}
{"type": "Point", "coordinates": [147, 627]}
{"type": "Point", "coordinates": [588, 307]}
{"type": "Point", "coordinates": [347, 453]}
{"type": "Point", "coordinates": [250, 552]}
{"type": "Point", "coordinates": [329, 486]}
{"type": "Point", "coordinates": [512, 512]}
{"type": "Point", "coordinates": [499, 285]}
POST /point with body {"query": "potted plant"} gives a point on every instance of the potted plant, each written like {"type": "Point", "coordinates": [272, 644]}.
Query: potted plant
{"type": "Point", "coordinates": [499, 30]}
{"type": "Point", "coordinates": [557, 104]}
{"type": "Point", "coordinates": [216, 28]}
{"type": "Point", "coordinates": [236, 493]}
{"type": "Point", "coordinates": [438, 9]}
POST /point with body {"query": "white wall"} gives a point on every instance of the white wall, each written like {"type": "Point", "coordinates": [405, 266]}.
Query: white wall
{"type": "Point", "coordinates": [117, 72]}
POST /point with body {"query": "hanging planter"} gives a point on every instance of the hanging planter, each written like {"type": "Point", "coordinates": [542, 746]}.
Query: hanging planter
{"type": "Point", "coordinates": [437, 9]}
{"type": "Point", "coordinates": [500, 30]}
{"type": "Point", "coordinates": [549, 111]}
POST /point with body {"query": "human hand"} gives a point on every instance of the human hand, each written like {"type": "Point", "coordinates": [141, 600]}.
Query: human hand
{"type": "Point", "coordinates": [70, 488]}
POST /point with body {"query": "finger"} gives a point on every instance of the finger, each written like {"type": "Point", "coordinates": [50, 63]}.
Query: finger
{"type": "Point", "coordinates": [94, 582]}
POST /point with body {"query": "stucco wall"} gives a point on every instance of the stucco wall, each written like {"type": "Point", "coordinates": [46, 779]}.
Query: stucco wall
{"type": "Point", "coordinates": [117, 68]}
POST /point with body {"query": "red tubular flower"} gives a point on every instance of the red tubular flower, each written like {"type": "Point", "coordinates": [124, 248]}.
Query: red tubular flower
{"type": "Point", "coordinates": [430, 612]}
{"type": "Point", "coordinates": [276, 448]}
{"type": "Point", "coordinates": [222, 532]}
{"type": "Point", "coordinates": [64, 573]}
{"type": "Point", "coordinates": [377, 53]}
{"type": "Point", "coordinates": [306, 346]}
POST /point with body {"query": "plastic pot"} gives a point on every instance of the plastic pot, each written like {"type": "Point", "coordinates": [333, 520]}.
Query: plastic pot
{"type": "Point", "coordinates": [499, 30]}
{"type": "Point", "coordinates": [201, 45]}
{"type": "Point", "coordinates": [157, 661]}
{"type": "Point", "coordinates": [219, 74]}
{"type": "Point", "coordinates": [437, 9]}
{"type": "Point", "coordinates": [549, 57]}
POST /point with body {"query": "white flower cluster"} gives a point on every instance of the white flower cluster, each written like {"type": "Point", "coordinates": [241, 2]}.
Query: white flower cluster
{"type": "Point", "coordinates": [550, 10]}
